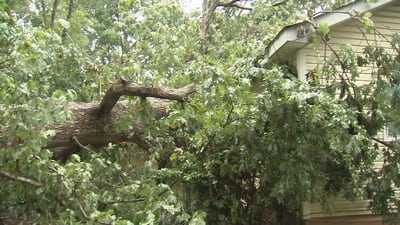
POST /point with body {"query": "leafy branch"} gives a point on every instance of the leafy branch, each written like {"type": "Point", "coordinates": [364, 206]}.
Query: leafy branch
{"type": "Point", "coordinates": [124, 201]}
{"type": "Point", "coordinates": [75, 196]}
{"type": "Point", "coordinates": [20, 179]}
{"type": "Point", "coordinates": [205, 23]}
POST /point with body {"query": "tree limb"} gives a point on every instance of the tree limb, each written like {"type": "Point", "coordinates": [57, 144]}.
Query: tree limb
{"type": "Point", "coordinates": [123, 87]}
{"type": "Point", "coordinates": [54, 13]}
{"type": "Point", "coordinates": [70, 9]}
{"type": "Point", "coordinates": [385, 143]}
{"type": "Point", "coordinates": [124, 201]}
{"type": "Point", "coordinates": [20, 179]}
{"type": "Point", "coordinates": [205, 23]}
{"type": "Point", "coordinates": [233, 4]}
{"type": "Point", "coordinates": [280, 3]}
{"type": "Point", "coordinates": [69, 16]}
{"type": "Point", "coordinates": [81, 145]}
{"type": "Point", "coordinates": [99, 124]}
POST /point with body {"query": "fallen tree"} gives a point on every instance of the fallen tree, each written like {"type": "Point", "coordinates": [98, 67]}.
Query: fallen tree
{"type": "Point", "coordinates": [95, 123]}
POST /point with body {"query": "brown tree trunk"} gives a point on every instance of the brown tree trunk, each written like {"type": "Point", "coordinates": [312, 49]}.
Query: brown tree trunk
{"type": "Point", "coordinates": [205, 23]}
{"type": "Point", "coordinates": [69, 16]}
{"type": "Point", "coordinates": [70, 9]}
{"type": "Point", "coordinates": [95, 124]}
{"type": "Point", "coordinates": [91, 129]}
{"type": "Point", "coordinates": [54, 13]}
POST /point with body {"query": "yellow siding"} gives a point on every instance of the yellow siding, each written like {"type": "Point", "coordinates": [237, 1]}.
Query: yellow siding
{"type": "Point", "coordinates": [387, 21]}
{"type": "Point", "coordinates": [347, 220]}
{"type": "Point", "coordinates": [338, 207]}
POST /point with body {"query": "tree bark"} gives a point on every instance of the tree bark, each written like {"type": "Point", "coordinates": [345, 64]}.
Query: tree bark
{"type": "Point", "coordinates": [70, 9]}
{"type": "Point", "coordinates": [69, 16]}
{"type": "Point", "coordinates": [205, 23]}
{"type": "Point", "coordinates": [54, 13]}
{"type": "Point", "coordinates": [90, 128]}
{"type": "Point", "coordinates": [95, 124]}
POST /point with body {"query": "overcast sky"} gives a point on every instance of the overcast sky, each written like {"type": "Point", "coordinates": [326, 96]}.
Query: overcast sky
{"type": "Point", "coordinates": [191, 5]}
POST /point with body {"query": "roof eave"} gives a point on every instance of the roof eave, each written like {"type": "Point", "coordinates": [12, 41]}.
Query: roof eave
{"type": "Point", "coordinates": [289, 35]}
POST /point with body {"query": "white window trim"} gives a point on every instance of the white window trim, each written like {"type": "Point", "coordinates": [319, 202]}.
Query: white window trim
{"type": "Point", "coordinates": [386, 133]}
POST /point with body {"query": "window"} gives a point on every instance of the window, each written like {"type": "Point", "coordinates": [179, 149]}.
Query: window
{"type": "Point", "coordinates": [391, 133]}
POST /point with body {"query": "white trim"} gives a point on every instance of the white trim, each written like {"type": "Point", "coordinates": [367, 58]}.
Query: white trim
{"type": "Point", "coordinates": [387, 136]}
{"type": "Point", "coordinates": [301, 64]}
{"type": "Point", "coordinates": [289, 33]}
{"type": "Point", "coordinates": [339, 207]}
{"type": "Point", "coordinates": [335, 17]}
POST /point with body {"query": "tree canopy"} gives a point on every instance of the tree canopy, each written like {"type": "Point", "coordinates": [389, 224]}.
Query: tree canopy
{"type": "Point", "coordinates": [235, 136]}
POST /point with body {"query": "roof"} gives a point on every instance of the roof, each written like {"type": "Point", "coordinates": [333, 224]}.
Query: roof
{"type": "Point", "coordinates": [288, 40]}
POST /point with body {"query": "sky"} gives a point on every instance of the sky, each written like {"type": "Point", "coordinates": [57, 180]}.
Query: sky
{"type": "Point", "coordinates": [191, 5]}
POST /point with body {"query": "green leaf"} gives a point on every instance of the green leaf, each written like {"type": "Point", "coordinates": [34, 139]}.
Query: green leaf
{"type": "Point", "coordinates": [64, 24]}
{"type": "Point", "coordinates": [324, 29]}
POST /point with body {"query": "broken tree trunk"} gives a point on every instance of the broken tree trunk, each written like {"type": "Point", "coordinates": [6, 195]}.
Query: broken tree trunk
{"type": "Point", "coordinates": [94, 124]}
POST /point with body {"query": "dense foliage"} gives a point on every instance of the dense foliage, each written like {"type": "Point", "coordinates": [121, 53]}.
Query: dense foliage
{"type": "Point", "coordinates": [253, 140]}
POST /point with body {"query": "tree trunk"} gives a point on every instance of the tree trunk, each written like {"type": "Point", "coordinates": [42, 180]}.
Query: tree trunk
{"type": "Point", "coordinates": [69, 16]}
{"type": "Point", "coordinates": [70, 9]}
{"type": "Point", "coordinates": [90, 128]}
{"type": "Point", "coordinates": [54, 13]}
{"type": "Point", "coordinates": [44, 12]}
{"type": "Point", "coordinates": [205, 23]}
{"type": "Point", "coordinates": [95, 124]}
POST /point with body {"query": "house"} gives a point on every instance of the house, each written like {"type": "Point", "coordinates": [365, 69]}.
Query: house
{"type": "Point", "coordinates": [296, 46]}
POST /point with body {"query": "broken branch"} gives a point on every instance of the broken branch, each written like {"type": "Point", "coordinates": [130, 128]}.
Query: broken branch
{"type": "Point", "coordinates": [97, 124]}
{"type": "Point", "coordinates": [233, 4]}
{"type": "Point", "coordinates": [81, 145]}
{"type": "Point", "coordinates": [205, 23]}
{"type": "Point", "coordinates": [20, 179]}
{"type": "Point", "coordinates": [123, 87]}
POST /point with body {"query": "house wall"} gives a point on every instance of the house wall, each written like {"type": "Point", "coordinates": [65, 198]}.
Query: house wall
{"type": "Point", "coordinates": [387, 21]}
{"type": "Point", "coordinates": [347, 220]}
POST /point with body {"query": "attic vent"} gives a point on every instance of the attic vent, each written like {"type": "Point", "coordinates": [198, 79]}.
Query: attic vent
{"type": "Point", "coordinates": [303, 30]}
